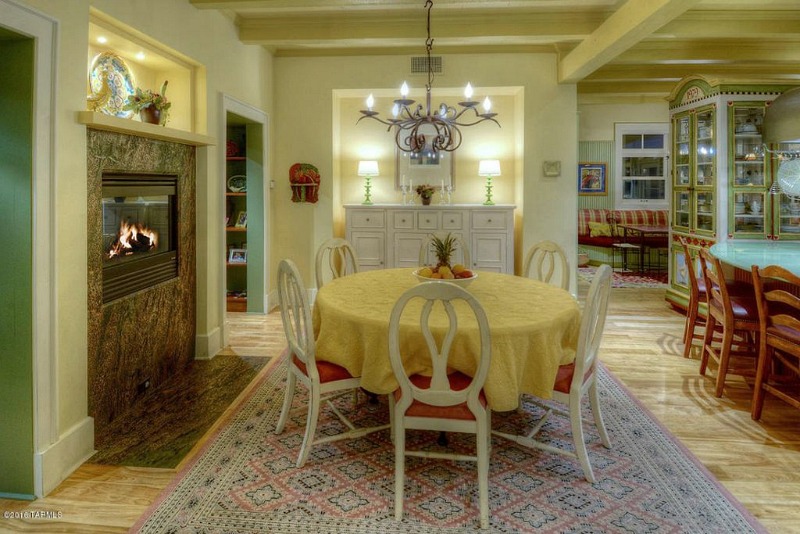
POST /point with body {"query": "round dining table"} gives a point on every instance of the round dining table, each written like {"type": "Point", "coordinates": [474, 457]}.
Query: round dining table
{"type": "Point", "coordinates": [534, 329]}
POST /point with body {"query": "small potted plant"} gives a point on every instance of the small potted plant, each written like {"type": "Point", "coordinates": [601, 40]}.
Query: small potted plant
{"type": "Point", "coordinates": [425, 192]}
{"type": "Point", "coordinates": [152, 107]}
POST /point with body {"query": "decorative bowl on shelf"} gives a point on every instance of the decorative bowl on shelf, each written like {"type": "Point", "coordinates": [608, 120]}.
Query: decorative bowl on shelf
{"type": "Point", "coordinates": [237, 183]}
{"type": "Point", "coordinates": [463, 282]}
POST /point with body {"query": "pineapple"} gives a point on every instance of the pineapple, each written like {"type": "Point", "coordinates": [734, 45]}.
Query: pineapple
{"type": "Point", "coordinates": [444, 249]}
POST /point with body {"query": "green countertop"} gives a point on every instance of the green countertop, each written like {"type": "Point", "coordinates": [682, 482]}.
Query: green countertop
{"type": "Point", "coordinates": [745, 254]}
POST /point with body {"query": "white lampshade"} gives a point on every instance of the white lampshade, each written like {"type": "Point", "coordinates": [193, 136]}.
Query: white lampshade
{"type": "Point", "coordinates": [368, 168]}
{"type": "Point", "coordinates": [489, 167]}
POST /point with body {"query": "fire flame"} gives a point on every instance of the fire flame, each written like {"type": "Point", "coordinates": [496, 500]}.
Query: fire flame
{"type": "Point", "coordinates": [133, 238]}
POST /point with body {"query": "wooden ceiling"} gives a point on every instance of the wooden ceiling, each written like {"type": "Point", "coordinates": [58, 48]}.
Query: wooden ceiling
{"type": "Point", "coordinates": [631, 49]}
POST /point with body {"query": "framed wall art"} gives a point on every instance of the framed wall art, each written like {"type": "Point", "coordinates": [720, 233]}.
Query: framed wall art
{"type": "Point", "coordinates": [592, 179]}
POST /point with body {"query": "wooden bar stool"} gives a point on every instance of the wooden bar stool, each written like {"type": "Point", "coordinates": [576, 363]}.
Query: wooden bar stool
{"type": "Point", "coordinates": [696, 316]}
{"type": "Point", "coordinates": [779, 322]}
{"type": "Point", "coordinates": [736, 314]}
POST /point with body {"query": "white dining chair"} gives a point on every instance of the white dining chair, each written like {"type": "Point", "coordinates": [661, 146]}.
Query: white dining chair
{"type": "Point", "coordinates": [541, 262]}
{"type": "Point", "coordinates": [320, 377]}
{"type": "Point", "coordinates": [452, 402]}
{"type": "Point", "coordinates": [579, 378]}
{"type": "Point", "coordinates": [335, 258]}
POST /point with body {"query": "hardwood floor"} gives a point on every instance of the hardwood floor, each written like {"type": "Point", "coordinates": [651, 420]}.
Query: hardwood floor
{"type": "Point", "coordinates": [758, 462]}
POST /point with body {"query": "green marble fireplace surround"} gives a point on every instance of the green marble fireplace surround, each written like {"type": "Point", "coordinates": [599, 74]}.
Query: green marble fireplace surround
{"type": "Point", "coordinates": [139, 341]}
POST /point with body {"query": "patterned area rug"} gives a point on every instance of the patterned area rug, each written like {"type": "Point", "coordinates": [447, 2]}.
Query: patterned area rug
{"type": "Point", "coordinates": [245, 479]}
{"type": "Point", "coordinates": [619, 279]}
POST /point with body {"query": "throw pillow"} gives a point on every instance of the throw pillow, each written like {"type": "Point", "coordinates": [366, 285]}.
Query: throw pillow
{"type": "Point", "coordinates": [598, 229]}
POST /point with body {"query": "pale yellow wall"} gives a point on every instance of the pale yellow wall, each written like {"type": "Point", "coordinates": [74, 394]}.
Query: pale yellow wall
{"type": "Point", "coordinates": [239, 70]}
{"type": "Point", "coordinates": [311, 128]}
{"type": "Point", "coordinates": [597, 120]}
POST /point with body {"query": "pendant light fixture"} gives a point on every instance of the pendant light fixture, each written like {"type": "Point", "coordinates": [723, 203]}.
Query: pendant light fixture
{"type": "Point", "coordinates": [423, 129]}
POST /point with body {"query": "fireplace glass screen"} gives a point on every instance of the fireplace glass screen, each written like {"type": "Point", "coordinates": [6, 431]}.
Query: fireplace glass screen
{"type": "Point", "coordinates": [139, 229]}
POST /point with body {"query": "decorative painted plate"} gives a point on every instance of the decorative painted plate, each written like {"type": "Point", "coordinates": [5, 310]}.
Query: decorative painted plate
{"type": "Point", "coordinates": [237, 183]}
{"type": "Point", "coordinates": [111, 83]}
{"type": "Point", "coordinates": [789, 178]}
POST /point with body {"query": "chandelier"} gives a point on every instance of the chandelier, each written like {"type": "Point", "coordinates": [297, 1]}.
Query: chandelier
{"type": "Point", "coordinates": [422, 129]}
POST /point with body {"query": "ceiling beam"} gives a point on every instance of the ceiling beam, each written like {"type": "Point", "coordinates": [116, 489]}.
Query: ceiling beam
{"type": "Point", "coordinates": [632, 22]}
{"type": "Point", "coordinates": [336, 29]}
{"type": "Point", "coordinates": [305, 6]}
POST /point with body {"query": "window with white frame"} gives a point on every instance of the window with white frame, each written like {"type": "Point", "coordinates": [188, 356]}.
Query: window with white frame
{"type": "Point", "coordinates": [642, 160]}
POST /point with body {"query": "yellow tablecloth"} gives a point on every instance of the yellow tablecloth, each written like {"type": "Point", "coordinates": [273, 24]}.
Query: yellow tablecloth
{"type": "Point", "coordinates": [534, 329]}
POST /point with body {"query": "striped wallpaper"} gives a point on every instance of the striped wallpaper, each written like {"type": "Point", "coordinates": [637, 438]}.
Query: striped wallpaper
{"type": "Point", "coordinates": [597, 152]}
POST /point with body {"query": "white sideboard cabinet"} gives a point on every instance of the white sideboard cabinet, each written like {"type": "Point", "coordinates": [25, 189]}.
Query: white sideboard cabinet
{"type": "Point", "coordinates": [386, 236]}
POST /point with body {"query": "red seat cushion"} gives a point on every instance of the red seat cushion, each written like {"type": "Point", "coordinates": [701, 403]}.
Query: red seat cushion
{"type": "Point", "coordinates": [564, 377]}
{"type": "Point", "coordinates": [784, 332]}
{"type": "Point", "coordinates": [744, 308]}
{"type": "Point", "coordinates": [458, 381]}
{"type": "Point", "coordinates": [328, 372]}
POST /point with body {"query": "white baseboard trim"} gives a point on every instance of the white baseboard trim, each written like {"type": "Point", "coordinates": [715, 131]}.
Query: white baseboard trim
{"type": "Point", "coordinates": [272, 301]}
{"type": "Point", "coordinates": [54, 464]}
{"type": "Point", "coordinates": [208, 345]}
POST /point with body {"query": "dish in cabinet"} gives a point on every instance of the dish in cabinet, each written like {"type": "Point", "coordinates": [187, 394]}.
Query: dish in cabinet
{"type": "Point", "coordinates": [789, 178]}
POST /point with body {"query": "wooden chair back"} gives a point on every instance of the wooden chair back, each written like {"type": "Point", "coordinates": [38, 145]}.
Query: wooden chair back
{"type": "Point", "coordinates": [335, 258]}
{"type": "Point", "coordinates": [778, 307]}
{"type": "Point", "coordinates": [541, 261]}
{"type": "Point", "coordinates": [691, 273]}
{"type": "Point", "coordinates": [776, 290]}
{"type": "Point", "coordinates": [719, 303]}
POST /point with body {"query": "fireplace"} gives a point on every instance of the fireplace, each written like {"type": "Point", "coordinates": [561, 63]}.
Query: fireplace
{"type": "Point", "coordinates": [139, 232]}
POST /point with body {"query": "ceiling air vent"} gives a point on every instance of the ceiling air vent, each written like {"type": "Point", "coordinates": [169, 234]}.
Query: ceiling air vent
{"type": "Point", "coordinates": [419, 64]}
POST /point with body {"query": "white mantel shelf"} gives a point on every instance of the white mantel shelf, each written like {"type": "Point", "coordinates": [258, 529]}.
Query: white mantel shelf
{"type": "Point", "coordinates": [101, 121]}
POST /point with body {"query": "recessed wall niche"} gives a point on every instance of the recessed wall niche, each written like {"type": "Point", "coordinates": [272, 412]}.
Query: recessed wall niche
{"type": "Point", "coordinates": [149, 63]}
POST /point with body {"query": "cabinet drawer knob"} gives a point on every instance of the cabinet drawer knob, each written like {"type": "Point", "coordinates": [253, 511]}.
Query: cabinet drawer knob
{"type": "Point", "coordinates": [452, 220]}
{"type": "Point", "coordinates": [402, 220]}
{"type": "Point", "coordinates": [367, 219]}
{"type": "Point", "coordinates": [427, 220]}
{"type": "Point", "coordinates": [488, 220]}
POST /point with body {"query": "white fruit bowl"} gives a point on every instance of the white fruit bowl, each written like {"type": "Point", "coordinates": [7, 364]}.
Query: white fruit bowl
{"type": "Point", "coordinates": [463, 282]}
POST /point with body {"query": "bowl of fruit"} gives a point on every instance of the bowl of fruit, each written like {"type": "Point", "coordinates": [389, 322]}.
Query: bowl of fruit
{"type": "Point", "coordinates": [457, 274]}
{"type": "Point", "coordinates": [443, 270]}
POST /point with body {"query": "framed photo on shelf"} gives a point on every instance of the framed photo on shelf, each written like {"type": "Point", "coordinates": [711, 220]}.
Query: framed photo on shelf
{"type": "Point", "coordinates": [237, 255]}
{"type": "Point", "coordinates": [241, 220]}
{"type": "Point", "coordinates": [592, 179]}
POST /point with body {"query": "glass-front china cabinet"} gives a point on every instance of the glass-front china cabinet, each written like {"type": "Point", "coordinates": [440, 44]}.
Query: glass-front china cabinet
{"type": "Point", "coordinates": [721, 174]}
